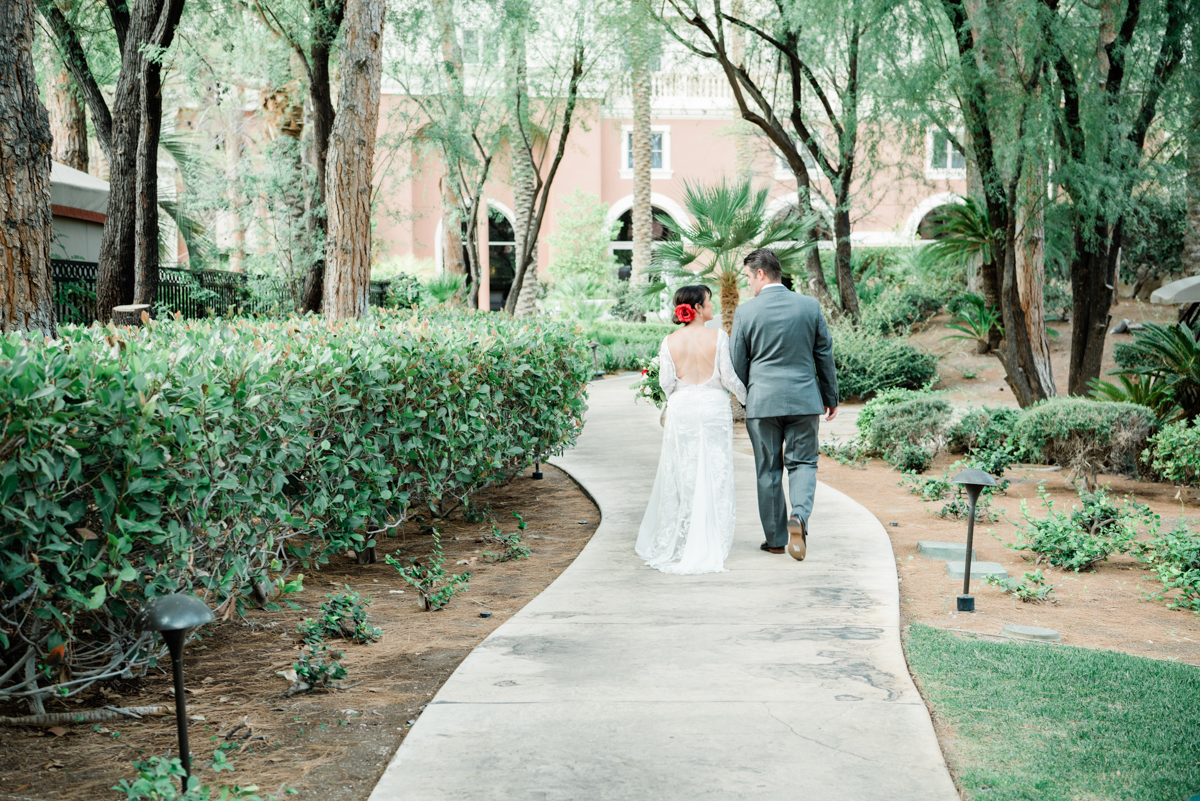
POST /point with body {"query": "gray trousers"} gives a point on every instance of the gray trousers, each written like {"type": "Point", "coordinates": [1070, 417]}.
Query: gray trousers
{"type": "Point", "coordinates": [780, 442]}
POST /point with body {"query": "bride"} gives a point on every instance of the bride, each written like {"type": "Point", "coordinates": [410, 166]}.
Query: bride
{"type": "Point", "coordinates": [688, 527]}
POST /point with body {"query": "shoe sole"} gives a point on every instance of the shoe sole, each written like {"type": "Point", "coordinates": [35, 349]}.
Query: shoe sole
{"type": "Point", "coordinates": [796, 548]}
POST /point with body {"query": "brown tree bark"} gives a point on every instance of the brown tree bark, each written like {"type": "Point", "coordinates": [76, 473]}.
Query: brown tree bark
{"type": "Point", "coordinates": [68, 123]}
{"type": "Point", "coordinates": [452, 200]}
{"type": "Point", "coordinates": [27, 289]}
{"type": "Point", "coordinates": [351, 161]}
{"type": "Point", "coordinates": [128, 270]}
{"type": "Point", "coordinates": [325, 20]}
{"type": "Point", "coordinates": [642, 211]}
{"type": "Point", "coordinates": [523, 169]}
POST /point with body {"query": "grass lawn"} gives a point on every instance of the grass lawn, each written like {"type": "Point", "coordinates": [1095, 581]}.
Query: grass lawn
{"type": "Point", "coordinates": [1034, 721]}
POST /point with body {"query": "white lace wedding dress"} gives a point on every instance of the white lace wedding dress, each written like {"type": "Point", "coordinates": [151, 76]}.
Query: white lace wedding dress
{"type": "Point", "coordinates": [688, 526]}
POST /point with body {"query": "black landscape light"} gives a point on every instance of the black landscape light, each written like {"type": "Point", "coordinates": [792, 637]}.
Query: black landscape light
{"type": "Point", "coordinates": [596, 371]}
{"type": "Point", "coordinates": [974, 481]}
{"type": "Point", "coordinates": [172, 616]}
{"type": "Point", "coordinates": [537, 471]}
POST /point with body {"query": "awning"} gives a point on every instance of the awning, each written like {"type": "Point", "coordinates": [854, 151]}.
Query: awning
{"type": "Point", "coordinates": [72, 189]}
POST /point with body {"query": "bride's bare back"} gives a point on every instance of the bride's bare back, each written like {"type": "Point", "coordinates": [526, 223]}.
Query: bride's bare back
{"type": "Point", "coordinates": [694, 352]}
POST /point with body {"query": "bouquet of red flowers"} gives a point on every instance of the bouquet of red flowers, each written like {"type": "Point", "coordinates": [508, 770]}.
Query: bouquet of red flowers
{"type": "Point", "coordinates": [648, 387]}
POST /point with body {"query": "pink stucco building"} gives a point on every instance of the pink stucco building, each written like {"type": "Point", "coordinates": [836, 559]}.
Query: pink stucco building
{"type": "Point", "coordinates": [694, 127]}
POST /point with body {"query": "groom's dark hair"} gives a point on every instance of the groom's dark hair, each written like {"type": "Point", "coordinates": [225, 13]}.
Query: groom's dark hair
{"type": "Point", "coordinates": [764, 259]}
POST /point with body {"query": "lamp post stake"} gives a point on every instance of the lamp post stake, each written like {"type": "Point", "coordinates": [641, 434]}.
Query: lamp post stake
{"type": "Point", "coordinates": [974, 481]}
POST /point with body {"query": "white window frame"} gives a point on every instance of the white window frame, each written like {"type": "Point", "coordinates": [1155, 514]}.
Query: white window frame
{"type": "Point", "coordinates": [943, 173]}
{"type": "Point", "coordinates": [656, 173]}
{"type": "Point", "coordinates": [476, 55]}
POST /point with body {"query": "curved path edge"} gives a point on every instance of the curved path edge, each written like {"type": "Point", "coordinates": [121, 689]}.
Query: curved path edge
{"type": "Point", "coordinates": [618, 682]}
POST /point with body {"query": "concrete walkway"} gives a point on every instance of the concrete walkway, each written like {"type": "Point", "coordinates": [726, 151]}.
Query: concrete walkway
{"type": "Point", "coordinates": [776, 680]}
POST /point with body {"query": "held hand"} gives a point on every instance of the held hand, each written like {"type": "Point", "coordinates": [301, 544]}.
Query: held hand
{"type": "Point", "coordinates": [830, 413]}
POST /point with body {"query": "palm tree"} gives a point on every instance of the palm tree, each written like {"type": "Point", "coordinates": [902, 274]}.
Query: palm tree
{"type": "Point", "coordinates": [731, 219]}
{"type": "Point", "coordinates": [641, 214]}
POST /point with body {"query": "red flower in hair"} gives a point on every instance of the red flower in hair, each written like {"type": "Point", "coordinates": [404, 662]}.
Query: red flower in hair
{"type": "Point", "coordinates": [684, 313]}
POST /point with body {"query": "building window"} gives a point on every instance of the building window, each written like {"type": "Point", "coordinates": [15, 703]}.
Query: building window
{"type": "Point", "coordinates": [622, 246]}
{"type": "Point", "coordinates": [660, 152]}
{"type": "Point", "coordinates": [470, 46]}
{"type": "Point", "coordinates": [945, 160]}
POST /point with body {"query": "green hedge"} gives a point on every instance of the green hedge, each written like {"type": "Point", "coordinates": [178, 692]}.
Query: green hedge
{"type": "Point", "coordinates": [626, 346]}
{"type": "Point", "coordinates": [982, 428]}
{"type": "Point", "coordinates": [210, 455]}
{"type": "Point", "coordinates": [868, 363]}
{"type": "Point", "coordinates": [1084, 435]}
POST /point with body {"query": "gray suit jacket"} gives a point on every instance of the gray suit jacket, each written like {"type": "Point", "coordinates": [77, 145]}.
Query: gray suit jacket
{"type": "Point", "coordinates": [782, 352]}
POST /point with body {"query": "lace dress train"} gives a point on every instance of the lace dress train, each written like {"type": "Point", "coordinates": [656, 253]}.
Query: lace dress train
{"type": "Point", "coordinates": [689, 522]}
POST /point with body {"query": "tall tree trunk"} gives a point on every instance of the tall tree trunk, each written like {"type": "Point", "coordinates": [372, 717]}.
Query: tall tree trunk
{"type": "Point", "coordinates": [68, 123]}
{"type": "Point", "coordinates": [1026, 352]}
{"type": "Point", "coordinates": [842, 259]}
{"type": "Point", "coordinates": [1191, 236]}
{"type": "Point", "coordinates": [326, 21]}
{"type": "Point", "coordinates": [1093, 277]}
{"type": "Point", "coordinates": [743, 156]}
{"type": "Point", "coordinates": [523, 168]}
{"type": "Point", "coordinates": [351, 160]}
{"type": "Point", "coordinates": [128, 270]}
{"type": "Point", "coordinates": [27, 292]}
{"type": "Point", "coordinates": [452, 200]}
{"type": "Point", "coordinates": [642, 212]}
{"type": "Point", "coordinates": [232, 145]}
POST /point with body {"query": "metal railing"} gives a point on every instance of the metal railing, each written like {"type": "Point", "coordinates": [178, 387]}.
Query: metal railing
{"type": "Point", "coordinates": [193, 293]}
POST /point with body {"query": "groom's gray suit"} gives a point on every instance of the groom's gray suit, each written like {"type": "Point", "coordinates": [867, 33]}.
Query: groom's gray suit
{"type": "Point", "coordinates": [782, 352]}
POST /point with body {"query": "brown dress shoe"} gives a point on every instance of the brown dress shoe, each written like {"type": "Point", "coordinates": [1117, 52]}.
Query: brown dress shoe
{"type": "Point", "coordinates": [769, 549]}
{"type": "Point", "coordinates": [797, 546]}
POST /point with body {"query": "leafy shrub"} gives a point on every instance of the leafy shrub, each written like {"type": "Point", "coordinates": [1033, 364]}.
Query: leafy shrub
{"type": "Point", "coordinates": [908, 434]}
{"type": "Point", "coordinates": [930, 488]}
{"type": "Point", "coordinates": [983, 427]}
{"type": "Point", "coordinates": [868, 363]}
{"type": "Point", "coordinates": [896, 311]}
{"type": "Point", "coordinates": [1086, 536]}
{"type": "Point", "coordinates": [888, 397]}
{"type": "Point", "coordinates": [342, 615]}
{"type": "Point", "coordinates": [432, 583]}
{"type": "Point", "coordinates": [912, 459]}
{"type": "Point", "coordinates": [624, 345]}
{"type": "Point", "coordinates": [848, 453]}
{"type": "Point", "coordinates": [1144, 390]}
{"type": "Point", "coordinates": [1033, 589]}
{"type": "Point", "coordinates": [403, 292]}
{"type": "Point", "coordinates": [1085, 436]}
{"type": "Point", "coordinates": [1174, 453]}
{"type": "Point", "coordinates": [205, 456]}
{"type": "Point", "coordinates": [1175, 558]}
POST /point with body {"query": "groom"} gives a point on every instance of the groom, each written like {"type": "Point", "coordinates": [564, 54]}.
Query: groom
{"type": "Point", "coordinates": [782, 352]}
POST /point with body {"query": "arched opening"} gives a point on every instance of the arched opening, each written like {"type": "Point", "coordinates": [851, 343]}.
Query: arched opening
{"type": "Point", "coordinates": [622, 246]}
{"type": "Point", "coordinates": [502, 258]}
{"type": "Point", "coordinates": [926, 226]}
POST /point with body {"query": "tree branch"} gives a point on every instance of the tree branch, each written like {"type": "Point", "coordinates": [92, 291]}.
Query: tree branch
{"type": "Point", "coordinates": [74, 56]}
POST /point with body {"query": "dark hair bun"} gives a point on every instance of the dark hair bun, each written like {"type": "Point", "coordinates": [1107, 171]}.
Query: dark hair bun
{"type": "Point", "coordinates": [692, 295]}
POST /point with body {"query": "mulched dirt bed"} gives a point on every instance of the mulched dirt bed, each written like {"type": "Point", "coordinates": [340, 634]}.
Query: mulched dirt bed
{"type": "Point", "coordinates": [327, 745]}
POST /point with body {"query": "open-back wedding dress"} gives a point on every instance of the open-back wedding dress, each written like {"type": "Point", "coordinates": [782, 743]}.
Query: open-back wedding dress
{"type": "Point", "coordinates": [688, 527]}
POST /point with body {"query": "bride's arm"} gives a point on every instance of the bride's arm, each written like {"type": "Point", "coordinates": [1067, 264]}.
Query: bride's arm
{"type": "Point", "coordinates": [729, 378]}
{"type": "Point", "coordinates": [666, 370]}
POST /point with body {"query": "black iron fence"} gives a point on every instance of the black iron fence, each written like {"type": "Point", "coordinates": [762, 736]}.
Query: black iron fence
{"type": "Point", "coordinates": [193, 293]}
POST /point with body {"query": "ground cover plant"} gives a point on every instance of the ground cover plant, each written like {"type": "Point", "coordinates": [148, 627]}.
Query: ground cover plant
{"type": "Point", "coordinates": [1174, 557]}
{"type": "Point", "coordinates": [1174, 453]}
{"type": "Point", "coordinates": [212, 456]}
{"type": "Point", "coordinates": [1086, 535]}
{"type": "Point", "coordinates": [1031, 720]}
{"type": "Point", "coordinates": [1031, 589]}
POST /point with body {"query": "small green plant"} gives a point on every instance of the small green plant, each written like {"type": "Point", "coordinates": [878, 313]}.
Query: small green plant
{"type": "Point", "coordinates": [317, 668]}
{"type": "Point", "coordinates": [342, 615]}
{"type": "Point", "coordinates": [1033, 589]}
{"type": "Point", "coordinates": [929, 488]}
{"type": "Point", "coordinates": [435, 586]}
{"type": "Point", "coordinates": [511, 543]}
{"type": "Point", "coordinates": [847, 453]}
{"type": "Point", "coordinates": [160, 779]}
{"type": "Point", "coordinates": [968, 373]}
{"type": "Point", "coordinates": [959, 508]}
{"type": "Point", "coordinates": [974, 322]}
{"type": "Point", "coordinates": [1174, 558]}
{"type": "Point", "coordinates": [911, 459]}
{"type": "Point", "coordinates": [1083, 538]}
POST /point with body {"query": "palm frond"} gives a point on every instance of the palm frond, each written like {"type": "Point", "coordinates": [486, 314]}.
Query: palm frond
{"type": "Point", "coordinates": [962, 232]}
{"type": "Point", "coordinates": [196, 171]}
